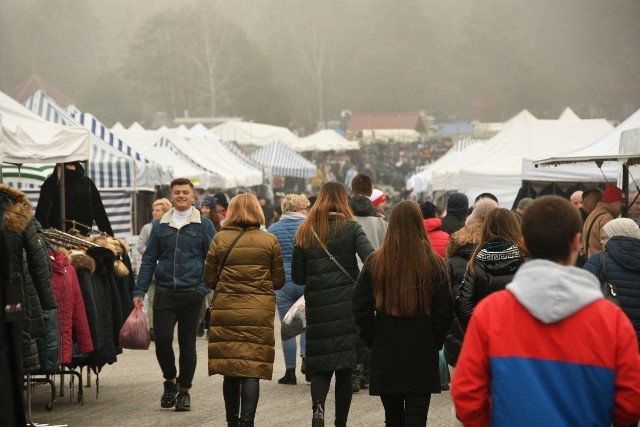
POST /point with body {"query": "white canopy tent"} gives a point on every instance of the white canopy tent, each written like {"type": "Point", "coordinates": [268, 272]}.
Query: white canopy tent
{"type": "Point", "coordinates": [27, 138]}
{"type": "Point", "coordinates": [324, 140]}
{"type": "Point", "coordinates": [568, 114]}
{"type": "Point", "coordinates": [421, 182]}
{"type": "Point", "coordinates": [222, 167]}
{"type": "Point", "coordinates": [159, 150]}
{"type": "Point", "coordinates": [254, 134]}
{"type": "Point", "coordinates": [579, 165]}
{"type": "Point", "coordinates": [497, 168]}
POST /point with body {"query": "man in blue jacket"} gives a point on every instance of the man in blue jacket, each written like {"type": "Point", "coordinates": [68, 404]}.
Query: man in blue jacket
{"type": "Point", "coordinates": [176, 251]}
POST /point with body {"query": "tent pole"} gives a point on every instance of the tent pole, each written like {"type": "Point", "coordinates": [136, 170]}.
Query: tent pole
{"type": "Point", "coordinates": [61, 186]}
{"type": "Point", "coordinates": [625, 190]}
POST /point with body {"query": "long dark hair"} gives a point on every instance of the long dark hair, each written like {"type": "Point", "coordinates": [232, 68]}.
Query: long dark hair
{"type": "Point", "coordinates": [500, 225]}
{"type": "Point", "coordinates": [332, 200]}
{"type": "Point", "coordinates": [405, 269]}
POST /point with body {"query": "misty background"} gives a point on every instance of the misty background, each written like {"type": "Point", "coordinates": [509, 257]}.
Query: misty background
{"type": "Point", "coordinates": [300, 63]}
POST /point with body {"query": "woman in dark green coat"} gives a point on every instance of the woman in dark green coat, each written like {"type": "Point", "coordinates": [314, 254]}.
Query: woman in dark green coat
{"type": "Point", "coordinates": [331, 329]}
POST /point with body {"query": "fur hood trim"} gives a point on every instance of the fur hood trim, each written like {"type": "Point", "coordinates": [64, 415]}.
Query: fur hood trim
{"type": "Point", "coordinates": [82, 261]}
{"type": "Point", "coordinates": [467, 235]}
{"type": "Point", "coordinates": [18, 216]}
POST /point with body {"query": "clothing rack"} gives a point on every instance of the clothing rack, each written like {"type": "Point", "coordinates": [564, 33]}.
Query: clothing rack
{"type": "Point", "coordinates": [66, 240]}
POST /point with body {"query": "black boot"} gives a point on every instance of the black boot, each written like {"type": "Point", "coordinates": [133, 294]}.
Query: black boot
{"type": "Point", "coordinates": [318, 415]}
{"type": "Point", "coordinates": [245, 424]}
{"type": "Point", "coordinates": [289, 377]}
{"type": "Point", "coordinates": [235, 422]}
{"type": "Point", "coordinates": [356, 377]}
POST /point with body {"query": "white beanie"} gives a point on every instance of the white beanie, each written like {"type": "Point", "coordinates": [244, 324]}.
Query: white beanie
{"type": "Point", "coordinates": [481, 210]}
{"type": "Point", "coordinates": [622, 227]}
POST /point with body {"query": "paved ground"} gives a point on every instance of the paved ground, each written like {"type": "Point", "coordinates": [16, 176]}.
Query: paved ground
{"type": "Point", "coordinates": [130, 393]}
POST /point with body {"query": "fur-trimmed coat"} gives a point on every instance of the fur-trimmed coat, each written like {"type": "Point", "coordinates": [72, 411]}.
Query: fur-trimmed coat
{"type": "Point", "coordinates": [17, 235]}
{"type": "Point", "coordinates": [459, 250]}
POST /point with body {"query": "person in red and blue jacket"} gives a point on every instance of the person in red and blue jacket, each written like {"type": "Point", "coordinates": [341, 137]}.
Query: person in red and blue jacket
{"type": "Point", "coordinates": [548, 350]}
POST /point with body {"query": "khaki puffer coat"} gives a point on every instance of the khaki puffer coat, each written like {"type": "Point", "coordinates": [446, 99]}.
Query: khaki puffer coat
{"type": "Point", "coordinates": [241, 337]}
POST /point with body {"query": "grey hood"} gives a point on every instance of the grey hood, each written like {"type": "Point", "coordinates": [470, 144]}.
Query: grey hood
{"type": "Point", "coordinates": [552, 292]}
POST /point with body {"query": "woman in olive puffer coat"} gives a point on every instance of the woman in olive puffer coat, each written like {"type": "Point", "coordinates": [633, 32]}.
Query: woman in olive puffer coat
{"type": "Point", "coordinates": [241, 337]}
{"type": "Point", "coordinates": [331, 329]}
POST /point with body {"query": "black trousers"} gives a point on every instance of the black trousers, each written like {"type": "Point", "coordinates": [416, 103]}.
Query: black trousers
{"type": "Point", "coordinates": [240, 397]}
{"type": "Point", "coordinates": [11, 381]}
{"type": "Point", "coordinates": [405, 410]}
{"type": "Point", "coordinates": [320, 383]}
{"type": "Point", "coordinates": [181, 307]}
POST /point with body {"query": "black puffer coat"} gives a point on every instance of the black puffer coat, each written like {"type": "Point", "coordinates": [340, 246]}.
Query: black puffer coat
{"type": "Point", "coordinates": [17, 235]}
{"type": "Point", "coordinates": [459, 250]}
{"type": "Point", "coordinates": [494, 268]}
{"type": "Point", "coordinates": [622, 256]}
{"type": "Point", "coordinates": [331, 329]}
{"type": "Point", "coordinates": [82, 198]}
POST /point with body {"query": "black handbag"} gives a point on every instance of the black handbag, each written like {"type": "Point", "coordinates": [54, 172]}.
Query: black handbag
{"type": "Point", "coordinates": [608, 289]}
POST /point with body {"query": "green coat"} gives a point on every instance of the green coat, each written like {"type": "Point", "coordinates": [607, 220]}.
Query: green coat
{"type": "Point", "coordinates": [331, 329]}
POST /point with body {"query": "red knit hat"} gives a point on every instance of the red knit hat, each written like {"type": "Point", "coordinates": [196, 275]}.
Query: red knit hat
{"type": "Point", "coordinates": [611, 194]}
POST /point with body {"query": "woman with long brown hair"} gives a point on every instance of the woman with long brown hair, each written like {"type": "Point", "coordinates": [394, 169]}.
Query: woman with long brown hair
{"type": "Point", "coordinates": [329, 284]}
{"type": "Point", "coordinates": [493, 263]}
{"type": "Point", "coordinates": [403, 307]}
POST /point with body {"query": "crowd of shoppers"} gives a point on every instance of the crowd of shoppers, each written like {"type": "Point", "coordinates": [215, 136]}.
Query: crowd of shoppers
{"type": "Point", "coordinates": [384, 294]}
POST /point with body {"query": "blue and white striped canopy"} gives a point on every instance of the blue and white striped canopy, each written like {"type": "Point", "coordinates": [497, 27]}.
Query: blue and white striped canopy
{"type": "Point", "coordinates": [283, 161]}
{"type": "Point", "coordinates": [108, 168]}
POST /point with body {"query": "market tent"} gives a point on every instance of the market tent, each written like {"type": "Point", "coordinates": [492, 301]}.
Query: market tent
{"type": "Point", "coordinates": [602, 148]}
{"type": "Point", "coordinates": [25, 137]}
{"type": "Point", "coordinates": [497, 168]}
{"type": "Point", "coordinates": [489, 129]}
{"type": "Point", "coordinates": [324, 140]}
{"type": "Point", "coordinates": [283, 161]}
{"type": "Point", "coordinates": [568, 114]}
{"type": "Point", "coordinates": [116, 175]}
{"type": "Point", "coordinates": [154, 173]}
{"type": "Point", "coordinates": [224, 168]}
{"type": "Point", "coordinates": [108, 167]}
{"type": "Point", "coordinates": [254, 134]}
{"type": "Point", "coordinates": [580, 165]}
{"type": "Point", "coordinates": [160, 150]}
{"type": "Point", "coordinates": [421, 182]}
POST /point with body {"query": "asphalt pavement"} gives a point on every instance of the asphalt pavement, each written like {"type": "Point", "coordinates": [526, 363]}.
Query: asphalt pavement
{"type": "Point", "coordinates": [130, 390]}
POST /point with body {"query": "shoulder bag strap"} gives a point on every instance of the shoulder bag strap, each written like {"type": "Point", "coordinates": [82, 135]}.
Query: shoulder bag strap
{"type": "Point", "coordinates": [224, 258]}
{"type": "Point", "coordinates": [607, 287]}
{"type": "Point", "coordinates": [333, 259]}
{"type": "Point", "coordinates": [586, 249]}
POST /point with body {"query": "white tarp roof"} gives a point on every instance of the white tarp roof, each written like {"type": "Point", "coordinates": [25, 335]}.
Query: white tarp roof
{"type": "Point", "coordinates": [324, 140]}
{"type": "Point", "coordinates": [421, 182]}
{"type": "Point", "coordinates": [492, 128]}
{"type": "Point", "coordinates": [223, 168]}
{"type": "Point", "coordinates": [27, 138]}
{"type": "Point", "coordinates": [254, 134]}
{"type": "Point", "coordinates": [605, 146]}
{"type": "Point", "coordinates": [109, 168]}
{"type": "Point", "coordinates": [568, 114]}
{"type": "Point", "coordinates": [498, 167]}
{"type": "Point", "coordinates": [579, 165]}
{"type": "Point", "coordinates": [160, 151]}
